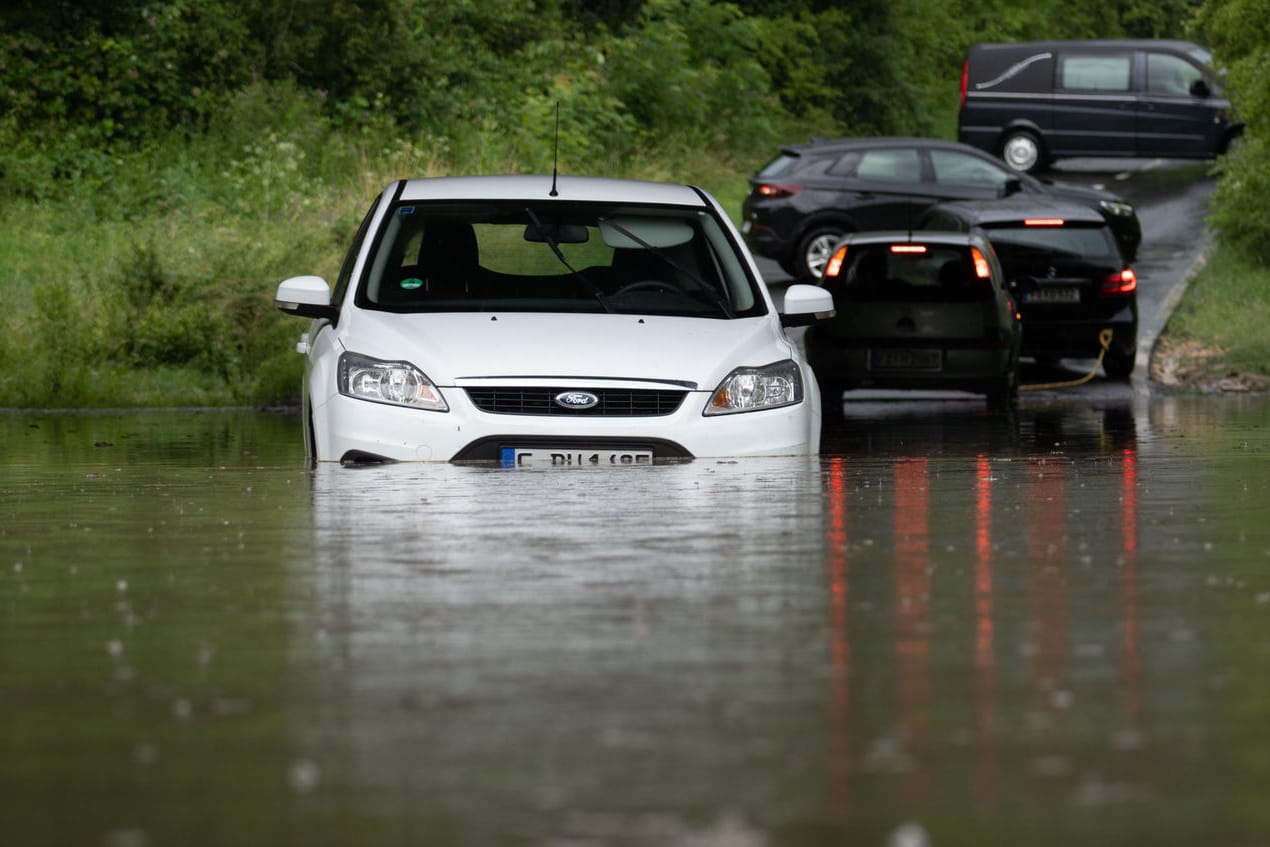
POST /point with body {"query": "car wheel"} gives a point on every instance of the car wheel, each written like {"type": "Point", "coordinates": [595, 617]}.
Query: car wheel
{"type": "Point", "coordinates": [1118, 362]}
{"type": "Point", "coordinates": [1021, 150]}
{"type": "Point", "coordinates": [1005, 393]}
{"type": "Point", "coordinates": [815, 249]}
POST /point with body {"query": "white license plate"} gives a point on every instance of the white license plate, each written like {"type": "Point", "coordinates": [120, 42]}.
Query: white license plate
{"type": "Point", "coordinates": [546, 457]}
{"type": "Point", "coordinates": [1058, 294]}
{"type": "Point", "coordinates": [905, 359]}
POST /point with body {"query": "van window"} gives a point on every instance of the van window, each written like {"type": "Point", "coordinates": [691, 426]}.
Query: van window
{"type": "Point", "coordinates": [902, 163]}
{"type": "Point", "coordinates": [1094, 73]}
{"type": "Point", "coordinates": [1170, 75]}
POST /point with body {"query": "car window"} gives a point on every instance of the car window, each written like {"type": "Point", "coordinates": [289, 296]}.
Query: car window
{"type": "Point", "coordinates": [932, 273]}
{"type": "Point", "coordinates": [1170, 75]}
{"type": "Point", "coordinates": [558, 257]}
{"type": "Point", "coordinates": [952, 168]}
{"type": "Point", "coordinates": [350, 259]}
{"type": "Point", "coordinates": [1068, 241]}
{"type": "Point", "coordinates": [901, 164]}
{"type": "Point", "coordinates": [778, 166]}
{"type": "Point", "coordinates": [1094, 73]}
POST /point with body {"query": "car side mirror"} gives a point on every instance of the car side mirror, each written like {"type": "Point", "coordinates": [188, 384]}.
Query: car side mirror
{"type": "Point", "coordinates": [1199, 88]}
{"type": "Point", "coordinates": [306, 297]}
{"type": "Point", "coordinates": [1013, 185]}
{"type": "Point", "coordinates": [805, 304]}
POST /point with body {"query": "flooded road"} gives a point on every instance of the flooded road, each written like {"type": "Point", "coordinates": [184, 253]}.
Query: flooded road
{"type": "Point", "coordinates": [948, 629]}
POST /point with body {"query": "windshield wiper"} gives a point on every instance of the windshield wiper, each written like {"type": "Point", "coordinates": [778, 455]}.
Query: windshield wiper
{"type": "Point", "coordinates": [555, 248]}
{"type": "Point", "coordinates": [719, 299]}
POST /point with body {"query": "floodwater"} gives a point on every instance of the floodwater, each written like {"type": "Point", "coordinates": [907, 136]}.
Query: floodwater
{"type": "Point", "coordinates": [948, 629]}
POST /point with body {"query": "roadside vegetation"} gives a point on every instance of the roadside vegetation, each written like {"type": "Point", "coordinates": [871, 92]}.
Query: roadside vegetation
{"type": "Point", "coordinates": [165, 163]}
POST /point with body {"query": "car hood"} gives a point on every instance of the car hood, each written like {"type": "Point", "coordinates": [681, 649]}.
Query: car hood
{"type": "Point", "coordinates": [1079, 193]}
{"type": "Point", "coordinates": [460, 348]}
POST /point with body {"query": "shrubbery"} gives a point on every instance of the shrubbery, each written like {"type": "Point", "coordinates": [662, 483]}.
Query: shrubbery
{"type": "Point", "coordinates": [164, 163]}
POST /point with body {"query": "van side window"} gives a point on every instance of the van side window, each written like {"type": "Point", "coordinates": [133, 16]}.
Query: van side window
{"type": "Point", "coordinates": [1094, 73]}
{"type": "Point", "coordinates": [901, 163]}
{"type": "Point", "coordinates": [1171, 75]}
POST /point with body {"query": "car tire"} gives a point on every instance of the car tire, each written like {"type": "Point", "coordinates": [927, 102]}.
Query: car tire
{"type": "Point", "coordinates": [1022, 151]}
{"type": "Point", "coordinates": [1118, 362]}
{"type": "Point", "coordinates": [1005, 393]}
{"type": "Point", "coordinates": [814, 251]}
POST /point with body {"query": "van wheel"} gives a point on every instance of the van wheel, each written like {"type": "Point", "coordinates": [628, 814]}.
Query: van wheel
{"type": "Point", "coordinates": [1021, 150]}
{"type": "Point", "coordinates": [814, 251]}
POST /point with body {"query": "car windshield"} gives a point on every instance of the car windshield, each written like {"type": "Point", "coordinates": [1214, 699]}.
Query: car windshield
{"type": "Point", "coordinates": [557, 257]}
{"type": "Point", "coordinates": [1091, 242]}
{"type": "Point", "coordinates": [926, 273]}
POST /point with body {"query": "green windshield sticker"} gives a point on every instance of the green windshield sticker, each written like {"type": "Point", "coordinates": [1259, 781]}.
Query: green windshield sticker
{"type": "Point", "coordinates": [411, 283]}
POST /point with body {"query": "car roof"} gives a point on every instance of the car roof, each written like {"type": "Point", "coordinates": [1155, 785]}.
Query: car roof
{"type": "Point", "coordinates": [525, 187]}
{"type": "Point", "coordinates": [1017, 208]}
{"type": "Point", "coordinates": [833, 145]}
{"type": "Point", "coordinates": [936, 236]}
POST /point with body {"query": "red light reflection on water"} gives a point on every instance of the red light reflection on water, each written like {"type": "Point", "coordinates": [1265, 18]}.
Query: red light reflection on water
{"type": "Point", "coordinates": [1044, 491]}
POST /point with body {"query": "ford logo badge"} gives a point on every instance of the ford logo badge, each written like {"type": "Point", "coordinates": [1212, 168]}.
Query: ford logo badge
{"type": "Point", "coordinates": [577, 399]}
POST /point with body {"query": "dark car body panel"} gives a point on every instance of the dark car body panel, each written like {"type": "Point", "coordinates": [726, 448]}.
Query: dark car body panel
{"type": "Point", "coordinates": [1108, 97]}
{"type": "Point", "coordinates": [819, 184]}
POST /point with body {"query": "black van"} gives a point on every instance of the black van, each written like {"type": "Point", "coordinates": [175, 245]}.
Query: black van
{"type": "Point", "coordinates": [1034, 102]}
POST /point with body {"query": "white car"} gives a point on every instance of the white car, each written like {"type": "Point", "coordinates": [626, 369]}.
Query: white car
{"type": "Point", "coordinates": [529, 320]}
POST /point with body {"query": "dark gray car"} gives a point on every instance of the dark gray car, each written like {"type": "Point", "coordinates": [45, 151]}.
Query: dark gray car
{"type": "Point", "coordinates": [802, 202]}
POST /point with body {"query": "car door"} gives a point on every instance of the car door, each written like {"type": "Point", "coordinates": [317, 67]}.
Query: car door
{"type": "Point", "coordinates": [885, 188]}
{"type": "Point", "coordinates": [1175, 109]}
{"type": "Point", "coordinates": [1094, 103]}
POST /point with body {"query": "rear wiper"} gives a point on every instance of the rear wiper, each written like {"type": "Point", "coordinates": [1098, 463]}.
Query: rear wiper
{"type": "Point", "coordinates": [719, 299]}
{"type": "Point", "coordinates": [555, 248]}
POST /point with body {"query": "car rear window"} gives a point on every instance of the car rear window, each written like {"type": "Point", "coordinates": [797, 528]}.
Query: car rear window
{"type": "Point", "coordinates": [930, 273]}
{"type": "Point", "coordinates": [1091, 242]}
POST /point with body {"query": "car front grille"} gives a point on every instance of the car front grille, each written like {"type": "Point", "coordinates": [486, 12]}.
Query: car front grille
{"type": "Point", "coordinates": [613, 402]}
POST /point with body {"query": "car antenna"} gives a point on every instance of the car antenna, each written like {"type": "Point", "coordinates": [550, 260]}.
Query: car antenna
{"type": "Point", "coordinates": [555, 155]}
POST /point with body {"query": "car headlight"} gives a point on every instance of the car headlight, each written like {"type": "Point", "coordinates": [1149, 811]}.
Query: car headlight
{"type": "Point", "coordinates": [397, 383]}
{"type": "Point", "coordinates": [1116, 207]}
{"type": "Point", "coordinates": [752, 389]}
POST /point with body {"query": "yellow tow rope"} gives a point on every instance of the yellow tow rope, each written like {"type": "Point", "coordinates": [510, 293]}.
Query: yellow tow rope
{"type": "Point", "coordinates": [1104, 339]}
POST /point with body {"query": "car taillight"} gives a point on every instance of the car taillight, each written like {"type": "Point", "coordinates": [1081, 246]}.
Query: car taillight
{"type": "Point", "coordinates": [965, 81]}
{"type": "Point", "coordinates": [908, 248]}
{"type": "Point", "coordinates": [775, 191]}
{"type": "Point", "coordinates": [834, 266]}
{"type": "Point", "coordinates": [1124, 282]}
{"type": "Point", "coordinates": [1043, 222]}
{"type": "Point", "coordinates": [982, 269]}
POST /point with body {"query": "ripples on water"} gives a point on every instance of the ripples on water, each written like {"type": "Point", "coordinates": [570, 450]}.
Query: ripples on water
{"type": "Point", "coordinates": [948, 627]}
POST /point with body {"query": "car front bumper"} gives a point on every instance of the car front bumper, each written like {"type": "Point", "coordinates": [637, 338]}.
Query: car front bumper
{"type": "Point", "coordinates": [348, 429]}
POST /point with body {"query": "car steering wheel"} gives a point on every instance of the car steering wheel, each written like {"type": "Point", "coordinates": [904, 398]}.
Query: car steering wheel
{"type": "Point", "coordinates": [646, 285]}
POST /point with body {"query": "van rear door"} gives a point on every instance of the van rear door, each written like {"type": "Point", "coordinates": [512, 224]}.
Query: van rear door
{"type": "Point", "coordinates": [1094, 103]}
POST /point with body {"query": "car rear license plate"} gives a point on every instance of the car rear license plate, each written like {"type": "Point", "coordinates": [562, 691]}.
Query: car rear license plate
{"type": "Point", "coordinates": [905, 359]}
{"type": "Point", "coordinates": [1057, 294]}
{"type": "Point", "coordinates": [546, 457]}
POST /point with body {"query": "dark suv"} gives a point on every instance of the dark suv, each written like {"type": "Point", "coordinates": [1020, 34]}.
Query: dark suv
{"type": "Point", "coordinates": [1061, 262]}
{"type": "Point", "coordinates": [802, 202]}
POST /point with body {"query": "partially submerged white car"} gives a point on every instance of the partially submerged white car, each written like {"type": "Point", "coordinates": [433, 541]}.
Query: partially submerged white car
{"type": "Point", "coordinates": [529, 320]}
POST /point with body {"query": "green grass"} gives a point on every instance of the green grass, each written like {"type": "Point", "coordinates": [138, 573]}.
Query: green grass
{"type": "Point", "coordinates": [1228, 306]}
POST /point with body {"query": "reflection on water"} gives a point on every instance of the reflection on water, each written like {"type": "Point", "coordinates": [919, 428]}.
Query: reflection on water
{"type": "Point", "coordinates": [1048, 629]}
